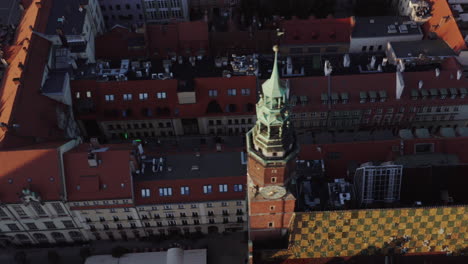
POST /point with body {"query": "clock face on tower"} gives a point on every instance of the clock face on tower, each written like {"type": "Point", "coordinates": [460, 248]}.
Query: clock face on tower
{"type": "Point", "coordinates": [273, 192]}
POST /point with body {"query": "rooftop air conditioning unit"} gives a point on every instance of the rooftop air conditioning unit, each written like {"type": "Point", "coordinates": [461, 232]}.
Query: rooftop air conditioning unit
{"type": "Point", "coordinates": [139, 74]}
{"type": "Point", "coordinates": [195, 168]}
{"type": "Point", "coordinates": [154, 76]}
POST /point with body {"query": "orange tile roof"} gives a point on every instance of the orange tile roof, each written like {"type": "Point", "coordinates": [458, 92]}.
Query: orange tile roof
{"type": "Point", "coordinates": [37, 169]}
{"type": "Point", "coordinates": [21, 102]}
{"type": "Point", "coordinates": [444, 25]}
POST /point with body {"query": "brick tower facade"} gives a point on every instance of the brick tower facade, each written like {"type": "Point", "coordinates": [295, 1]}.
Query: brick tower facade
{"type": "Point", "coordinates": [272, 151]}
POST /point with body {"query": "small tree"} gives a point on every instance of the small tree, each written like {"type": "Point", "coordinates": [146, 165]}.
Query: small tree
{"type": "Point", "coordinates": [53, 257]}
{"type": "Point", "coordinates": [119, 251]}
{"type": "Point", "coordinates": [20, 257]}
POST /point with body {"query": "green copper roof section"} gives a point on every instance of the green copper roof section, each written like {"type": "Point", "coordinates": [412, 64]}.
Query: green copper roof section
{"type": "Point", "coordinates": [273, 87]}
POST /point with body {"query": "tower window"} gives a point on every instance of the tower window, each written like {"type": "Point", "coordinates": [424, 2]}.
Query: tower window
{"type": "Point", "coordinates": [273, 179]}
{"type": "Point", "coordinates": [271, 224]}
{"type": "Point", "coordinates": [272, 208]}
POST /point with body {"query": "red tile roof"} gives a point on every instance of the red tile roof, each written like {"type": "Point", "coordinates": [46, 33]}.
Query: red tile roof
{"type": "Point", "coordinates": [177, 38]}
{"type": "Point", "coordinates": [202, 87]}
{"type": "Point", "coordinates": [444, 25]}
{"type": "Point", "coordinates": [22, 103]}
{"type": "Point", "coordinates": [313, 87]}
{"type": "Point", "coordinates": [314, 31]}
{"type": "Point", "coordinates": [37, 169]}
{"type": "Point", "coordinates": [196, 190]}
{"type": "Point", "coordinates": [376, 151]}
{"type": "Point", "coordinates": [111, 179]}
{"type": "Point", "coordinates": [120, 43]}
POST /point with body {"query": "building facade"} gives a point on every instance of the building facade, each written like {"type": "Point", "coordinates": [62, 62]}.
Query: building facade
{"type": "Point", "coordinates": [163, 11]}
{"type": "Point", "coordinates": [272, 149]}
{"type": "Point", "coordinates": [122, 12]}
{"type": "Point", "coordinates": [162, 108]}
{"type": "Point", "coordinates": [378, 183]}
{"type": "Point", "coordinates": [34, 208]}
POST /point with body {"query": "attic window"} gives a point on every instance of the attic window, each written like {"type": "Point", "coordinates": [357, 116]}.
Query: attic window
{"type": "Point", "coordinates": [463, 92]}
{"type": "Point", "coordinates": [293, 100]}
{"type": "Point", "coordinates": [453, 93]}
{"type": "Point", "coordinates": [344, 98]}
{"type": "Point", "coordinates": [443, 93]}
{"type": "Point", "coordinates": [373, 96]}
{"type": "Point", "coordinates": [383, 96]}
{"type": "Point", "coordinates": [303, 100]}
{"type": "Point", "coordinates": [363, 97]}
{"type": "Point", "coordinates": [324, 98]}
{"type": "Point", "coordinates": [334, 97]}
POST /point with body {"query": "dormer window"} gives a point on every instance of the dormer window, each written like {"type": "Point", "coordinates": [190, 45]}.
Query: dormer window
{"type": "Point", "coordinates": [334, 98]}
{"type": "Point", "coordinates": [373, 96]}
{"type": "Point", "coordinates": [414, 94]}
{"type": "Point", "coordinates": [324, 98]}
{"type": "Point", "coordinates": [463, 92]}
{"type": "Point", "coordinates": [383, 96]}
{"type": "Point", "coordinates": [453, 93]}
{"type": "Point", "coordinates": [344, 98]}
{"type": "Point", "coordinates": [424, 94]}
{"type": "Point", "coordinates": [443, 93]}
{"type": "Point", "coordinates": [433, 93]}
{"type": "Point", "coordinates": [363, 97]}
{"type": "Point", "coordinates": [303, 100]}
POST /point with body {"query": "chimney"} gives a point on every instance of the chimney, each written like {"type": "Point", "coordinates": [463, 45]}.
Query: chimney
{"type": "Point", "coordinates": [459, 74]}
{"type": "Point", "coordinates": [437, 72]}
{"type": "Point", "coordinates": [420, 84]}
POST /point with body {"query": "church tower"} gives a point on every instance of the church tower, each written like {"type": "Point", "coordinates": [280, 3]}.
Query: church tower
{"type": "Point", "coordinates": [272, 151]}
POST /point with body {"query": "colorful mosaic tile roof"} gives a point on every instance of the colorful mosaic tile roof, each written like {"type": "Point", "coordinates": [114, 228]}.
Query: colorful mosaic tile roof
{"type": "Point", "coordinates": [378, 231]}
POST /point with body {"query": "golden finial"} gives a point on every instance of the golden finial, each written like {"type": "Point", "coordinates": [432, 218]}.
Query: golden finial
{"type": "Point", "coordinates": [275, 48]}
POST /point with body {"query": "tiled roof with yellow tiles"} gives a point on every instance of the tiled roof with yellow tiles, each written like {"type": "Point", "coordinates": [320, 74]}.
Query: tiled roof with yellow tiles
{"type": "Point", "coordinates": [378, 231]}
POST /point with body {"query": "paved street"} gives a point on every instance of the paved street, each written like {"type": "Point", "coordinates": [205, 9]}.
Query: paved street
{"type": "Point", "coordinates": [227, 249]}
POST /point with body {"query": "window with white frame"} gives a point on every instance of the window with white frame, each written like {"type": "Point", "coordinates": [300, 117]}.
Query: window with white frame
{"type": "Point", "coordinates": [127, 97]}
{"type": "Point", "coordinates": [207, 189]}
{"type": "Point", "coordinates": [88, 94]}
{"type": "Point", "coordinates": [161, 95]}
{"type": "Point", "coordinates": [109, 97]}
{"type": "Point", "coordinates": [19, 211]}
{"type": "Point", "coordinates": [167, 207]}
{"type": "Point", "coordinates": [213, 93]}
{"type": "Point", "coordinates": [245, 91]}
{"type": "Point", "coordinates": [184, 190]}
{"type": "Point", "coordinates": [38, 208]}
{"type": "Point", "coordinates": [165, 191]}
{"type": "Point", "coordinates": [145, 193]}
{"type": "Point", "coordinates": [58, 209]}
{"type": "Point", "coordinates": [143, 96]}
{"type": "Point", "coordinates": [238, 187]}
{"type": "Point", "coordinates": [231, 92]}
{"type": "Point", "coordinates": [223, 188]}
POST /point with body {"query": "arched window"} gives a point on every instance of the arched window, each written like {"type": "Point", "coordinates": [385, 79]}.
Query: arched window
{"type": "Point", "coordinates": [76, 236]}
{"type": "Point", "coordinates": [23, 238]}
{"type": "Point", "coordinates": [58, 237]}
{"type": "Point", "coordinates": [41, 238]}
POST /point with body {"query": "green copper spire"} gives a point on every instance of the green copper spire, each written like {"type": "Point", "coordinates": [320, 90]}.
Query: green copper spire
{"type": "Point", "coordinates": [273, 87]}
